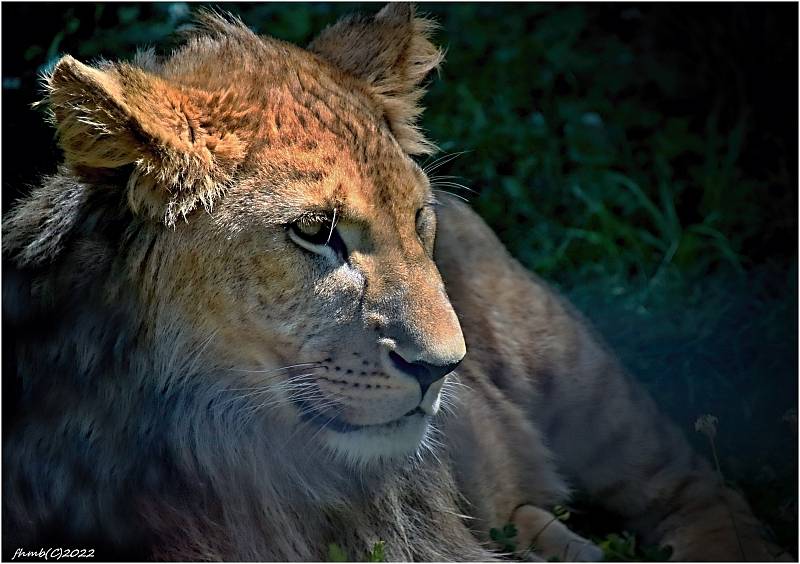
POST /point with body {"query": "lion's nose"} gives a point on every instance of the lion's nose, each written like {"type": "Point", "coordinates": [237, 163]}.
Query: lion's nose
{"type": "Point", "coordinates": [425, 372]}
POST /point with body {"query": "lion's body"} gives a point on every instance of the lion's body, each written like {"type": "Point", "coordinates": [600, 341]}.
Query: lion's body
{"type": "Point", "coordinates": [141, 425]}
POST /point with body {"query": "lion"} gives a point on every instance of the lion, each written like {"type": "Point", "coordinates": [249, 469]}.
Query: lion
{"type": "Point", "coordinates": [246, 328]}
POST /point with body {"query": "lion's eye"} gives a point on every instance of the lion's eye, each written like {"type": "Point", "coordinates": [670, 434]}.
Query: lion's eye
{"type": "Point", "coordinates": [311, 231]}
{"type": "Point", "coordinates": [318, 236]}
{"type": "Point", "coordinates": [426, 227]}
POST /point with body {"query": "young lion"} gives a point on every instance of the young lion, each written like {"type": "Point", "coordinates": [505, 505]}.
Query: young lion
{"type": "Point", "coordinates": [234, 339]}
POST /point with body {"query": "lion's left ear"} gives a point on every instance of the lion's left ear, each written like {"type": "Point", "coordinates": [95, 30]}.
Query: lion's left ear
{"type": "Point", "coordinates": [184, 144]}
{"type": "Point", "coordinates": [393, 53]}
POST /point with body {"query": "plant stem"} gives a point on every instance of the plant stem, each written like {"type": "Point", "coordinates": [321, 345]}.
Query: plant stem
{"type": "Point", "coordinates": [724, 499]}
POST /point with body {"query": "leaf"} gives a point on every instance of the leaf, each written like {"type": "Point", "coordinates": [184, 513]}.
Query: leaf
{"type": "Point", "coordinates": [505, 537]}
{"type": "Point", "coordinates": [336, 554]}
{"type": "Point", "coordinates": [377, 554]}
{"type": "Point", "coordinates": [561, 512]}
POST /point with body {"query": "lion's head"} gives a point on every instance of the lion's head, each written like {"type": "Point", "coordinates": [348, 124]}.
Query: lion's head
{"type": "Point", "coordinates": [287, 230]}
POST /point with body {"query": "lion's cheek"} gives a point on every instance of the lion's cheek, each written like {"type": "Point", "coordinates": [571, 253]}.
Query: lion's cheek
{"type": "Point", "coordinates": [361, 403]}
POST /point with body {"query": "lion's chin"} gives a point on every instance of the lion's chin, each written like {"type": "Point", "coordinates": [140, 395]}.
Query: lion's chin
{"type": "Point", "coordinates": [364, 445]}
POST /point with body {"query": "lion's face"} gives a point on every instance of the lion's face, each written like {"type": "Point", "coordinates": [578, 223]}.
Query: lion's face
{"type": "Point", "coordinates": [327, 263]}
{"type": "Point", "coordinates": [311, 276]}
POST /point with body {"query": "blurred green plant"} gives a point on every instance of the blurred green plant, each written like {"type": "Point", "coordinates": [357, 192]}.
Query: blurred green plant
{"type": "Point", "coordinates": [624, 548]}
{"type": "Point", "coordinates": [577, 165]}
{"type": "Point", "coordinates": [505, 537]}
{"type": "Point", "coordinates": [336, 553]}
{"type": "Point", "coordinates": [376, 554]}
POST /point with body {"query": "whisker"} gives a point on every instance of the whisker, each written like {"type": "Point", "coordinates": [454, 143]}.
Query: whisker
{"type": "Point", "coordinates": [428, 443]}
{"type": "Point", "coordinates": [271, 387]}
{"type": "Point", "coordinates": [328, 422]}
{"type": "Point", "coordinates": [460, 197]}
{"type": "Point", "coordinates": [447, 407]}
{"type": "Point", "coordinates": [452, 185]}
{"type": "Point", "coordinates": [303, 392]}
{"type": "Point", "coordinates": [333, 226]}
{"type": "Point", "coordinates": [301, 383]}
{"type": "Point", "coordinates": [283, 400]}
{"type": "Point", "coordinates": [454, 380]}
{"type": "Point", "coordinates": [266, 386]}
{"type": "Point", "coordinates": [275, 370]}
{"type": "Point", "coordinates": [441, 161]}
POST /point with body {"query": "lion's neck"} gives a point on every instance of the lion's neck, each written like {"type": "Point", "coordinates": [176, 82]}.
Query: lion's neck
{"type": "Point", "coordinates": [268, 508]}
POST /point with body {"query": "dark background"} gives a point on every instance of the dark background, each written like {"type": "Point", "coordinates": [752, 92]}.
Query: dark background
{"type": "Point", "coordinates": [643, 158]}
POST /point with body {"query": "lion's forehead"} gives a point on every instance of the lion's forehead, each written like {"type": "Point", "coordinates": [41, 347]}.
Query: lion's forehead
{"type": "Point", "coordinates": [317, 137]}
{"type": "Point", "coordinates": [323, 178]}
{"type": "Point", "coordinates": [327, 160]}
{"type": "Point", "coordinates": [291, 94]}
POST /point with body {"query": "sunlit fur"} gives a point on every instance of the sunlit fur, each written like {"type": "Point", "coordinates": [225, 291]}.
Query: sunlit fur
{"type": "Point", "coordinates": [173, 341]}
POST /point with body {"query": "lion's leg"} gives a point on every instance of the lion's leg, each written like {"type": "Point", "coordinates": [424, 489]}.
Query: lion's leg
{"type": "Point", "coordinates": [542, 533]}
{"type": "Point", "coordinates": [610, 436]}
{"type": "Point", "coordinates": [505, 471]}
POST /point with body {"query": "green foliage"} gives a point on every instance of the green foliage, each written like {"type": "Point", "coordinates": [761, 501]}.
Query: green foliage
{"type": "Point", "coordinates": [574, 158]}
{"type": "Point", "coordinates": [505, 538]}
{"type": "Point", "coordinates": [376, 554]}
{"type": "Point", "coordinates": [616, 547]}
{"type": "Point", "coordinates": [561, 513]}
{"type": "Point", "coordinates": [624, 548]}
{"type": "Point", "coordinates": [336, 553]}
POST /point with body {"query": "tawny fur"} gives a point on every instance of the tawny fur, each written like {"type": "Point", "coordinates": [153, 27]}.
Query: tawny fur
{"type": "Point", "coordinates": [162, 312]}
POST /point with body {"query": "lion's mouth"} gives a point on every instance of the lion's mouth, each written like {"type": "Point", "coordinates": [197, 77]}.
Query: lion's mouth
{"type": "Point", "coordinates": [324, 420]}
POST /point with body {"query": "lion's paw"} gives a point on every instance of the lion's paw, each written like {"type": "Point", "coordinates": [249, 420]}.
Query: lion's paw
{"type": "Point", "coordinates": [548, 538]}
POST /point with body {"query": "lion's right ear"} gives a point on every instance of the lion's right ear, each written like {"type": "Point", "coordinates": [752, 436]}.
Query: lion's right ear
{"type": "Point", "coordinates": [175, 138]}
{"type": "Point", "coordinates": [392, 52]}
